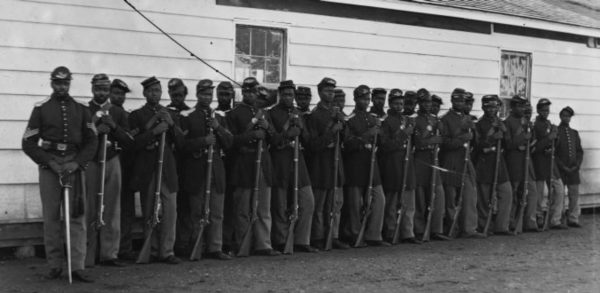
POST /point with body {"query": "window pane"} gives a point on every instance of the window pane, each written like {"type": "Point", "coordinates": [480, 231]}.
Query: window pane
{"type": "Point", "coordinates": [259, 42]}
{"type": "Point", "coordinates": [258, 68]}
{"type": "Point", "coordinates": [243, 64]}
{"type": "Point", "coordinates": [273, 70]}
{"type": "Point", "coordinates": [274, 40]}
{"type": "Point", "coordinates": [242, 41]}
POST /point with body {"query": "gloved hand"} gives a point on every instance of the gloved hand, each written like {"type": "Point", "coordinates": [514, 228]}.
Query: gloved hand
{"type": "Point", "coordinates": [213, 123]}
{"type": "Point", "coordinates": [103, 128]}
{"type": "Point", "coordinates": [210, 139]}
{"type": "Point", "coordinates": [337, 127]}
{"type": "Point", "coordinates": [258, 134]}
{"type": "Point", "coordinates": [108, 120]}
{"type": "Point", "coordinates": [498, 135]}
{"type": "Point", "coordinates": [166, 117]}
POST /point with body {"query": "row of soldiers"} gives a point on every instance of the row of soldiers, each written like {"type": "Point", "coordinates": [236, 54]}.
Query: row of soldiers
{"type": "Point", "coordinates": [259, 176]}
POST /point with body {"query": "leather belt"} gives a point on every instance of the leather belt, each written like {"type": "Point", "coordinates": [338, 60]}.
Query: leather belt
{"type": "Point", "coordinates": [58, 146]}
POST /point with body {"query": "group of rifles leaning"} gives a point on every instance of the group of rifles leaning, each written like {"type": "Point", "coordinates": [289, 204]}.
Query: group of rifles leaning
{"type": "Point", "coordinates": [264, 178]}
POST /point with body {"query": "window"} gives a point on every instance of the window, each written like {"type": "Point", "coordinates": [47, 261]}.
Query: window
{"type": "Point", "coordinates": [260, 52]}
{"type": "Point", "coordinates": [515, 76]}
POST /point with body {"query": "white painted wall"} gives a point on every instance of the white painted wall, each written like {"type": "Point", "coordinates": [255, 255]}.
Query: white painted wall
{"type": "Point", "coordinates": [92, 36]}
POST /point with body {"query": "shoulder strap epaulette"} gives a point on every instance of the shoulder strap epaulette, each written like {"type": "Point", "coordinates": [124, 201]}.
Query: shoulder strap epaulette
{"type": "Point", "coordinates": [187, 112]}
{"type": "Point", "coordinates": [350, 116]}
{"type": "Point", "coordinates": [221, 113]}
{"type": "Point", "coordinates": [85, 104]}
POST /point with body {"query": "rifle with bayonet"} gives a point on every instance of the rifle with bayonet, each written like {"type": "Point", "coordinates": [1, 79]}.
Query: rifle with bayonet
{"type": "Point", "coordinates": [453, 232]}
{"type": "Point", "coordinates": [434, 175]}
{"type": "Point", "coordinates": [400, 212]}
{"type": "Point", "coordinates": [367, 208]}
{"type": "Point", "coordinates": [523, 203]}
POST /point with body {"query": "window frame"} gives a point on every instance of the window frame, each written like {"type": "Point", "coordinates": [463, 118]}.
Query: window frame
{"type": "Point", "coordinates": [283, 27]}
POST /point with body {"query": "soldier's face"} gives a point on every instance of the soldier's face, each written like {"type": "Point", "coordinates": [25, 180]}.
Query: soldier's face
{"type": "Point", "coordinates": [362, 102]}
{"type": "Point", "coordinates": [468, 107]}
{"type": "Point", "coordinates": [326, 94]}
{"type": "Point", "coordinates": [178, 95]}
{"type": "Point", "coordinates": [397, 105]}
{"type": "Point", "coordinates": [435, 108]}
{"type": "Point", "coordinates": [458, 105]}
{"type": "Point", "coordinates": [425, 106]}
{"type": "Point", "coordinates": [339, 101]}
{"type": "Point", "coordinates": [61, 87]}
{"type": "Point", "coordinates": [490, 111]}
{"type": "Point", "coordinates": [303, 101]}
{"type": "Point", "coordinates": [527, 113]}
{"type": "Point", "coordinates": [153, 94]}
{"type": "Point", "coordinates": [565, 117]}
{"type": "Point", "coordinates": [378, 101]}
{"type": "Point", "coordinates": [249, 96]}
{"type": "Point", "coordinates": [410, 105]}
{"type": "Point", "coordinates": [544, 111]}
{"type": "Point", "coordinates": [224, 97]}
{"type": "Point", "coordinates": [286, 97]}
{"type": "Point", "coordinates": [205, 97]}
{"type": "Point", "coordinates": [117, 96]}
{"type": "Point", "coordinates": [100, 93]}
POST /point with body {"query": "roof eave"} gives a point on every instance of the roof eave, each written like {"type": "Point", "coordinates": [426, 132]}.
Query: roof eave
{"type": "Point", "coordinates": [474, 15]}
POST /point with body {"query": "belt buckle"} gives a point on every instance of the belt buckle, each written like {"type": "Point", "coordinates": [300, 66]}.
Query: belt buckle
{"type": "Point", "coordinates": [61, 147]}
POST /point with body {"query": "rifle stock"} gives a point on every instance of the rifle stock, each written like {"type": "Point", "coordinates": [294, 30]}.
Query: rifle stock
{"type": "Point", "coordinates": [204, 221]}
{"type": "Point", "coordinates": [396, 236]}
{"type": "Point", "coordinates": [144, 256]}
{"type": "Point", "coordinates": [551, 197]}
{"type": "Point", "coordinates": [289, 243]}
{"type": "Point", "coordinates": [100, 217]}
{"type": "Point", "coordinates": [367, 211]}
{"type": "Point", "coordinates": [332, 207]}
{"type": "Point", "coordinates": [521, 211]}
{"type": "Point", "coordinates": [246, 241]}
{"type": "Point", "coordinates": [494, 192]}
{"type": "Point", "coordinates": [453, 232]}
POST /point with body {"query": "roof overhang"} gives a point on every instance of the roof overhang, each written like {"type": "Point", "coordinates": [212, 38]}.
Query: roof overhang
{"type": "Point", "coordinates": [478, 15]}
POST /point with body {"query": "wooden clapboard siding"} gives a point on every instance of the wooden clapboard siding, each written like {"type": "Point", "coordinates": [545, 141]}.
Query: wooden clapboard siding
{"type": "Point", "coordinates": [19, 201]}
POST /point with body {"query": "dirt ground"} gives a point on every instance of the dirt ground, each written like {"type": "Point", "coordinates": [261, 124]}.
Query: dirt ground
{"type": "Point", "coordinates": [554, 261]}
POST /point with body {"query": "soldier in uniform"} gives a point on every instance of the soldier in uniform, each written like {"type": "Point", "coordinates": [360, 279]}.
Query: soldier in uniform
{"type": "Point", "coordinates": [112, 121]}
{"type": "Point", "coordinates": [436, 103]}
{"type": "Point", "coordinates": [149, 122]}
{"type": "Point", "coordinates": [469, 100]}
{"type": "Point", "coordinates": [518, 132]}
{"type": "Point", "coordinates": [225, 96]}
{"type": "Point", "coordinates": [288, 125]}
{"type": "Point", "coordinates": [427, 135]}
{"type": "Point", "coordinates": [490, 130]}
{"type": "Point", "coordinates": [118, 92]}
{"type": "Point", "coordinates": [546, 134]}
{"type": "Point", "coordinates": [196, 123]}
{"type": "Point", "coordinates": [339, 99]}
{"type": "Point", "coordinates": [68, 143]}
{"type": "Point", "coordinates": [324, 126]}
{"type": "Point", "coordinates": [249, 123]}
{"type": "Point", "coordinates": [457, 131]}
{"type": "Point", "coordinates": [303, 98]}
{"type": "Point", "coordinates": [410, 103]}
{"type": "Point", "coordinates": [378, 100]}
{"type": "Point", "coordinates": [396, 131]}
{"type": "Point", "coordinates": [569, 155]}
{"type": "Point", "coordinates": [360, 132]}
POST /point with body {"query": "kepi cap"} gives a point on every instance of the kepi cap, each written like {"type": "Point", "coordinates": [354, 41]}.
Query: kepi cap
{"type": "Point", "coordinates": [225, 86]}
{"type": "Point", "coordinates": [100, 79]}
{"type": "Point", "coordinates": [361, 90]}
{"type": "Point", "coordinates": [303, 91]}
{"type": "Point", "coordinates": [120, 84]}
{"type": "Point", "coordinates": [249, 83]}
{"type": "Point", "coordinates": [567, 109]}
{"type": "Point", "coordinates": [339, 93]}
{"type": "Point", "coordinates": [326, 81]}
{"type": "Point", "coordinates": [204, 84]}
{"type": "Point", "coordinates": [150, 81]}
{"type": "Point", "coordinates": [287, 84]}
{"type": "Point", "coordinates": [60, 73]}
{"type": "Point", "coordinates": [175, 83]}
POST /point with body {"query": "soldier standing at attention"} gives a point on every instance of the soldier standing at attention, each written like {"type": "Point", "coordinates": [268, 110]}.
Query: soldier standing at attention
{"type": "Point", "coordinates": [546, 134]}
{"type": "Point", "coordinates": [396, 131]}
{"type": "Point", "coordinates": [490, 130]}
{"type": "Point", "coordinates": [288, 125]}
{"type": "Point", "coordinates": [249, 123]}
{"type": "Point", "coordinates": [436, 103]}
{"type": "Point", "coordinates": [360, 132]}
{"type": "Point", "coordinates": [118, 92]}
{"type": "Point", "coordinates": [427, 135]}
{"type": "Point", "coordinates": [196, 124]}
{"type": "Point", "coordinates": [68, 143]}
{"type": "Point", "coordinates": [149, 122]}
{"type": "Point", "coordinates": [457, 131]}
{"type": "Point", "coordinates": [324, 125]}
{"type": "Point", "coordinates": [110, 120]}
{"type": "Point", "coordinates": [378, 98]}
{"type": "Point", "coordinates": [569, 155]}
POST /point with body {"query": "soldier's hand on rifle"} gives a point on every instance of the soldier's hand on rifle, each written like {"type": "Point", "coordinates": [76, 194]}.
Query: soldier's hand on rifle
{"type": "Point", "coordinates": [263, 123]}
{"type": "Point", "coordinates": [166, 117]}
{"type": "Point", "coordinates": [553, 134]}
{"type": "Point", "coordinates": [108, 120]}
{"type": "Point", "coordinates": [103, 128]}
{"type": "Point", "coordinates": [337, 127]}
{"type": "Point", "coordinates": [160, 128]}
{"type": "Point", "coordinates": [527, 135]}
{"type": "Point", "coordinates": [210, 139]}
{"type": "Point", "coordinates": [55, 167]}
{"type": "Point", "coordinates": [257, 134]}
{"type": "Point", "coordinates": [409, 129]}
{"type": "Point", "coordinates": [498, 135]}
{"type": "Point", "coordinates": [214, 123]}
{"type": "Point", "coordinates": [70, 167]}
{"type": "Point", "coordinates": [293, 131]}
{"type": "Point", "coordinates": [466, 136]}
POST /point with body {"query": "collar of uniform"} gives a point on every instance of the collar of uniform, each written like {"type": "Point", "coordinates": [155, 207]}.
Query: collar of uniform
{"type": "Point", "coordinates": [392, 112]}
{"type": "Point", "coordinates": [359, 112]}
{"type": "Point", "coordinates": [540, 118]}
{"type": "Point", "coordinates": [180, 107]}
{"type": "Point", "coordinates": [153, 108]}
{"type": "Point", "coordinates": [100, 105]}
{"type": "Point", "coordinates": [565, 125]}
{"type": "Point", "coordinates": [323, 106]}
{"type": "Point", "coordinates": [459, 113]}
{"type": "Point", "coordinates": [61, 98]}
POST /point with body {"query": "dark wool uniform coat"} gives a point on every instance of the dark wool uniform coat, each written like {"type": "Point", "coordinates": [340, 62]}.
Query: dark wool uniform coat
{"type": "Point", "coordinates": [146, 148]}
{"type": "Point", "coordinates": [119, 137]}
{"type": "Point", "coordinates": [239, 121]}
{"type": "Point", "coordinates": [569, 153]}
{"type": "Point", "coordinates": [452, 153]}
{"type": "Point", "coordinates": [541, 154]}
{"type": "Point", "coordinates": [321, 148]}
{"type": "Point", "coordinates": [515, 143]}
{"type": "Point", "coordinates": [486, 162]}
{"type": "Point", "coordinates": [282, 149]}
{"type": "Point", "coordinates": [194, 152]}
{"type": "Point", "coordinates": [426, 126]}
{"type": "Point", "coordinates": [392, 153]}
{"type": "Point", "coordinates": [357, 157]}
{"type": "Point", "coordinates": [60, 120]}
